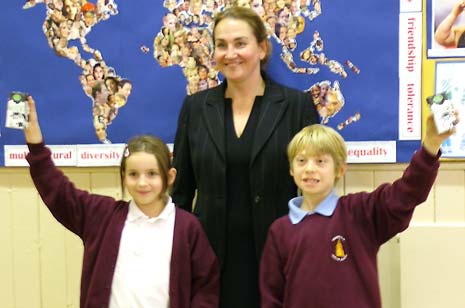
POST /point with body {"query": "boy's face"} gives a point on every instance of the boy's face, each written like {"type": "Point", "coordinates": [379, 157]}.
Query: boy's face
{"type": "Point", "coordinates": [314, 175]}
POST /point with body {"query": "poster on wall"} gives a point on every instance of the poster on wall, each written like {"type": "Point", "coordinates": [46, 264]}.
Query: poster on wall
{"type": "Point", "coordinates": [449, 83]}
{"type": "Point", "coordinates": [103, 71]}
{"type": "Point", "coordinates": [446, 30]}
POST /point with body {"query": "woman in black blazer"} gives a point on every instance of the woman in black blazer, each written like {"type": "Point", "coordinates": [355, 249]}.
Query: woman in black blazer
{"type": "Point", "coordinates": [230, 149]}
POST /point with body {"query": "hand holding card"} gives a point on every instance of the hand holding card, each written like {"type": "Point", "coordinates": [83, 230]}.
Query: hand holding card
{"type": "Point", "coordinates": [443, 110]}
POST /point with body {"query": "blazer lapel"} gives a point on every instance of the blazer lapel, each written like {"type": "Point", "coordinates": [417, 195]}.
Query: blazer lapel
{"type": "Point", "coordinates": [272, 109]}
{"type": "Point", "coordinates": [213, 113]}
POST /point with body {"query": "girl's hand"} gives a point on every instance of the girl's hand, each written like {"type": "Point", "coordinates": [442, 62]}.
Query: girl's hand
{"type": "Point", "coordinates": [32, 133]}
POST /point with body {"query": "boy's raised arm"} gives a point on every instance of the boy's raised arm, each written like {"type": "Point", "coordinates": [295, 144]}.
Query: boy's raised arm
{"type": "Point", "coordinates": [432, 140]}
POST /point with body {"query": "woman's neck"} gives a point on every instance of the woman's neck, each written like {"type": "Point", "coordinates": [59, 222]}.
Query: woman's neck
{"type": "Point", "coordinates": [249, 88]}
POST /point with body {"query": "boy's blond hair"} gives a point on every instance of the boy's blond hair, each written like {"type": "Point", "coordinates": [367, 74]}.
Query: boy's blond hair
{"type": "Point", "coordinates": [318, 139]}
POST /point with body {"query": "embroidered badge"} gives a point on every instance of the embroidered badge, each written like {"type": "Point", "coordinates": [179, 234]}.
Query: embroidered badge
{"type": "Point", "coordinates": [339, 253]}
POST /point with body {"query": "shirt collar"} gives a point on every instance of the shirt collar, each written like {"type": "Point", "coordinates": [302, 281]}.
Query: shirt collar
{"type": "Point", "coordinates": [135, 213]}
{"type": "Point", "coordinates": [325, 208]}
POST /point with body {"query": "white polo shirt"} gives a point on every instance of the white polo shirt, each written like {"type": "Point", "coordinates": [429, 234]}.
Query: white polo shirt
{"type": "Point", "coordinates": [142, 272]}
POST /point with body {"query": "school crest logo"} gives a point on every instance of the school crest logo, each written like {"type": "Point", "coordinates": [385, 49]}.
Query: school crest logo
{"type": "Point", "coordinates": [339, 253]}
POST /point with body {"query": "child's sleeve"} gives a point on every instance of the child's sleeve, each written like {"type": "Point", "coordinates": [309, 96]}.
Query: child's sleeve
{"type": "Point", "coordinates": [389, 208]}
{"type": "Point", "coordinates": [205, 271]}
{"type": "Point", "coordinates": [271, 276]}
{"type": "Point", "coordinates": [67, 204]}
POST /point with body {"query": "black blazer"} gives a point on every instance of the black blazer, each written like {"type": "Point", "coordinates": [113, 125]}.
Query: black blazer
{"type": "Point", "coordinates": [199, 157]}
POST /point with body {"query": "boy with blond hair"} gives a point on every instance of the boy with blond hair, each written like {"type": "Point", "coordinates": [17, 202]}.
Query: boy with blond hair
{"type": "Point", "coordinates": [323, 254]}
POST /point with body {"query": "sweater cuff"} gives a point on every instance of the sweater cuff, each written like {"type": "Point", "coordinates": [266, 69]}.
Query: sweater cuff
{"type": "Point", "coordinates": [36, 148]}
{"type": "Point", "coordinates": [427, 156]}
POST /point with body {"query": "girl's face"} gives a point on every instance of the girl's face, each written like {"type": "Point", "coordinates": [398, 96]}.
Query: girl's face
{"type": "Point", "coordinates": [237, 52]}
{"type": "Point", "coordinates": [144, 182]}
{"type": "Point", "coordinates": [64, 29]}
{"type": "Point", "coordinates": [98, 73]}
{"type": "Point", "coordinates": [71, 11]}
{"type": "Point", "coordinates": [165, 41]}
{"type": "Point", "coordinates": [324, 89]}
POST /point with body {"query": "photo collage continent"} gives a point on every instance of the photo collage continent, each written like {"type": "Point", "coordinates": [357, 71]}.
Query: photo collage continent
{"type": "Point", "coordinates": [185, 40]}
{"type": "Point", "coordinates": [66, 26]}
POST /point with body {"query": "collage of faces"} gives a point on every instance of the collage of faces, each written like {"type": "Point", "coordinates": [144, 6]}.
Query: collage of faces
{"type": "Point", "coordinates": [66, 26]}
{"type": "Point", "coordinates": [185, 40]}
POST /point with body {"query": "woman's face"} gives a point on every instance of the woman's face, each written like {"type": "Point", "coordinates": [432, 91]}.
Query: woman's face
{"type": "Point", "coordinates": [100, 131]}
{"type": "Point", "coordinates": [237, 53]}
{"type": "Point", "coordinates": [283, 16]}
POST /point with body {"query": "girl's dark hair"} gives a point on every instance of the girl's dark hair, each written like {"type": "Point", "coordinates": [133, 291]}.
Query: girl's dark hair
{"type": "Point", "coordinates": [151, 145]}
{"type": "Point", "coordinates": [253, 20]}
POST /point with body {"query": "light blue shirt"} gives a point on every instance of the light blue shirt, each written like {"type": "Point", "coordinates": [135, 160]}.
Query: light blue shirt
{"type": "Point", "coordinates": [325, 208]}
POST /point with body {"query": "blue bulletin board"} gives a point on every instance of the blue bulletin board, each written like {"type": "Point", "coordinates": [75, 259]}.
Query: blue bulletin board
{"type": "Point", "coordinates": [48, 48]}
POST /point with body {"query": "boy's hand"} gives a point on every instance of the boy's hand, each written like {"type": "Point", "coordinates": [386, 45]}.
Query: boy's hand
{"type": "Point", "coordinates": [432, 141]}
{"type": "Point", "coordinates": [32, 133]}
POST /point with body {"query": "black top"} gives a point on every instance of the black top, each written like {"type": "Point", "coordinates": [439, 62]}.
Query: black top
{"type": "Point", "coordinates": [239, 283]}
{"type": "Point", "coordinates": [200, 158]}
